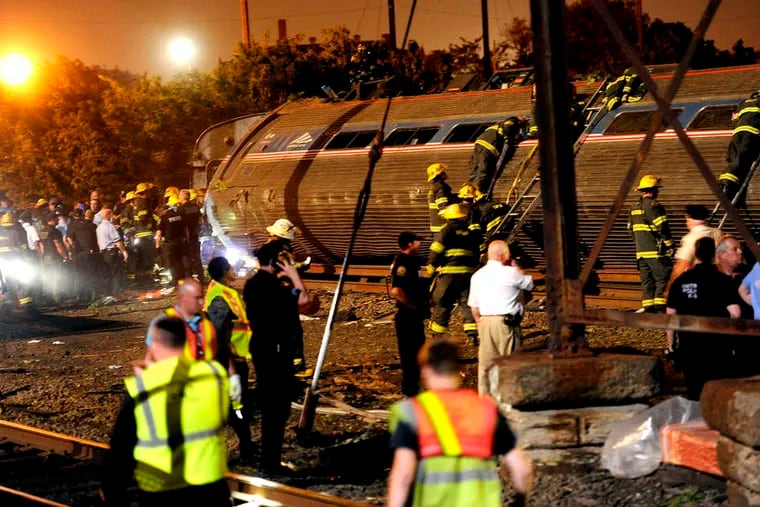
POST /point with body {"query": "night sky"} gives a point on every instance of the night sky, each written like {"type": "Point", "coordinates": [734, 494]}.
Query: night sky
{"type": "Point", "coordinates": [132, 34]}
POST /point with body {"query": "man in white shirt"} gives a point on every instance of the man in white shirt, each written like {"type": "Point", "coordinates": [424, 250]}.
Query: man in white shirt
{"type": "Point", "coordinates": [495, 291]}
{"type": "Point", "coordinates": [113, 251]}
{"type": "Point", "coordinates": [696, 223]}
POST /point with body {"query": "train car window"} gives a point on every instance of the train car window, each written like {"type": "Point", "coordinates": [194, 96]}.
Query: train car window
{"type": "Point", "coordinates": [635, 122]}
{"type": "Point", "coordinates": [410, 136]}
{"type": "Point", "coordinates": [466, 132]}
{"type": "Point", "coordinates": [346, 140]}
{"type": "Point", "coordinates": [714, 118]}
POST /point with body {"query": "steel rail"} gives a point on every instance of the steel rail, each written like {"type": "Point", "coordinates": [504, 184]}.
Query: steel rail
{"type": "Point", "coordinates": [247, 489]}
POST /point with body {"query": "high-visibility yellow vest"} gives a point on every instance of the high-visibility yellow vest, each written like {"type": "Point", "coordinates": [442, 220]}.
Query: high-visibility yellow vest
{"type": "Point", "coordinates": [455, 431]}
{"type": "Point", "coordinates": [241, 330]}
{"type": "Point", "coordinates": [200, 345]}
{"type": "Point", "coordinates": [180, 409]}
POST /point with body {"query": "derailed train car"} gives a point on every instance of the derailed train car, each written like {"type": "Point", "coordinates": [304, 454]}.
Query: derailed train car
{"type": "Point", "coordinates": [307, 161]}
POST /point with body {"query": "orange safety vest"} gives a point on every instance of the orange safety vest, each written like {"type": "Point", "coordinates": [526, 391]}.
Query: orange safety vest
{"type": "Point", "coordinates": [455, 423]}
{"type": "Point", "coordinates": [200, 345]}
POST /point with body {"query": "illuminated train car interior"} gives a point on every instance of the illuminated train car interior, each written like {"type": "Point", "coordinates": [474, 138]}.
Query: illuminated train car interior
{"type": "Point", "coordinates": [307, 161]}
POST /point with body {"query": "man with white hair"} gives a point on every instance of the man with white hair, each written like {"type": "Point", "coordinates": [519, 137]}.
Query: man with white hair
{"type": "Point", "coordinates": [495, 291]}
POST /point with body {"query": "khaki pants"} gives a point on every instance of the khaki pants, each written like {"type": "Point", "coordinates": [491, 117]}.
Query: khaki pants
{"type": "Point", "coordinates": [496, 339]}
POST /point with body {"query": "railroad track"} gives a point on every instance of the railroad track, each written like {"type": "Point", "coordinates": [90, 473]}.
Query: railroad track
{"type": "Point", "coordinates": [619, 289]}
{"type": "Point", "coordinates": [40, 467]}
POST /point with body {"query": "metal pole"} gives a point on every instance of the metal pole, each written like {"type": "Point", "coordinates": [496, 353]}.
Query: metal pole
{"type": "Point", "coordinates": [557, 166]}
{"type": "Point", "coordinates": [391, 25]}
{"type": "Point", "coordinates": [246, 39]}
{"type": "Point", "coordinates": [487, 65]}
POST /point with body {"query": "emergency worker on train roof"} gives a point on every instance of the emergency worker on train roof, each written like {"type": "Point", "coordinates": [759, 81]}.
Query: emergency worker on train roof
{"type": "Point", "coordinates": [453, 258]}
{"type": "Point", "coordinates": [498, 142]}
{"type": "Point", "coordinates": [440, 195]}
{"type": "Point", "coordinates": [648, 223]}
{"type": "Point", "coordinates": [743, 150]}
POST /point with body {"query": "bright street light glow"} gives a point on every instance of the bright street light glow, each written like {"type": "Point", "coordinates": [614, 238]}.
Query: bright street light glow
{"type": "Point", "coordinates": [182, 50]}
{"type": "Point", "coordinates": [15, 69]}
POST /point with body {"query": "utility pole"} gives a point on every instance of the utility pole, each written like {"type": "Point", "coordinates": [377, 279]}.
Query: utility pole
{"type": "Point", "coordinates": [244, 19]}
{"type": "Point", "coordinates": [487, 66]}
{"type": "Point", "coordinates": [639, 26]}
{"type": "Point", "coordinates": [391, 25]}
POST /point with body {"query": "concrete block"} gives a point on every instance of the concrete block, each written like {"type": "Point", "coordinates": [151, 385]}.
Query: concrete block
{"type": "Point", "coordinates": [732, 406]}
{"type": "Point", "coordinates": [536, 379]}
{"type": "Point", "coordinates": [739, 496]}
{"type": "Point", "coordinates": [692, 445]}
{"type": "Point", "coordinates": [739, 463]}
{"type": "Point", "coordinates": [567, 428]}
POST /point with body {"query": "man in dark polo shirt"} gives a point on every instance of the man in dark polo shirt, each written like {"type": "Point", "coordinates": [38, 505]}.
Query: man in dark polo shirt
{"type": "Point", "coordinates": [83, 244]}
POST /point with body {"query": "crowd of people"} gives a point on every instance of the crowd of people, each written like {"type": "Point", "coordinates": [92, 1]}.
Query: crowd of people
{"type": "Point", "coordinates": [89, 251]}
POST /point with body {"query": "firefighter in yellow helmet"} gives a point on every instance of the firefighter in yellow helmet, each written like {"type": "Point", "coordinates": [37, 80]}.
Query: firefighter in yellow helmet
{"type": "Point", "coordinates": [172, 229]}
{"type": "Point", "coordinates": [453, 258]}
{"type": "Point", "coordinates": [169, 434]}
{"type": "Point", "coordinates": [648, 223]}
{"type": "Point", "coordinates": [144, 224]}
{"type": "Point", "coordinates": [439, 195]}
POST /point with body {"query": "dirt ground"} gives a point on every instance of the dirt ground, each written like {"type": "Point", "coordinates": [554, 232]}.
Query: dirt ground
{"type": "Point", "coordinates": [64, 372]}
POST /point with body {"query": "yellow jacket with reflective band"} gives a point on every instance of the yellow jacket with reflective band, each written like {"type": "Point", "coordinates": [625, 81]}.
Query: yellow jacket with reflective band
{"type": "Point", "coordinates": [241, 330]}
{"type": "Point", "coordinates": [745, 143]}
{"type": "Point", "coordinates": [455, 431]}
{"type": "Point", "coordinates": [439, 196]}
{"type": "Point", "coordinates": [180, 409]}
{"type": "Point", "coordinates": [649, 225]}
{"type": "Point", "coordinates": [203, 341]}
{"type": "Point", "coordinates": [455, 249]}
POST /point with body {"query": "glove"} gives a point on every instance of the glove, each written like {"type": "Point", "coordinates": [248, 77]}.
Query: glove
{"type": "Point", "coordinates": [236, 388]}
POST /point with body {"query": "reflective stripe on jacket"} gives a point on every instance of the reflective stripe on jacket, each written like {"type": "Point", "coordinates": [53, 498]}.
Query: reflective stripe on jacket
{"type": "Point", "coordinates": [200, 345]}
{"type": "Point", "coordinates": [455, 431]}
{"type": "Point", "coordinates": [180, 410]}
{"type": "Point", "coordinates": [455, 249]}
{"type": "Point", "coordinates": [241, 330]}
{"type": "Point", "coordinates": [649, 225]}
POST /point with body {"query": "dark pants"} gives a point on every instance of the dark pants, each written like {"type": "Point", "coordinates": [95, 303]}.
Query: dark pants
{"type": "Point", "coordinates": [195, 266]}
{"type": "Point", "coordinates": [449, 290]}
{"type": "Point", "coordinates": [216, 494]}
{"type": "Point", "coordinates": [114, 263]}
{"type": "Point", "coordinates": [175, 253]}
{"type": "Point", "coordinates": [145, 256]}
{"type": "Point", "coordinates": [482, 168]}
{"type": "Point", "coordinates": [705, 357]}
{"type": "Point", "coordinates": [88, 266]}
{"type": "Point", "coordinates": [274, 381]}
{"type": "Point", "coordinates": [241, 422]}
{"type": "Point", "coordinates": [410, 335]}
{"type": "Point", "coordinates": [654, 278]}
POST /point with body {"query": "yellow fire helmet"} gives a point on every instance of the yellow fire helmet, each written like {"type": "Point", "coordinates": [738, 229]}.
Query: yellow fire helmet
{"type": "Point", "coordinates": [141, 187]}
{"type": "Point", "coordinates": [172, 201]}
{"type": "Point", "coordinates": [434, 170]}
{"type": "Point", "coordinates": [40, 203]}
{"type": "Point", "coordinates": [453, 212]}
{"type": "Point", "coordinates": [193, 194]}
{"type": "Point", "coordinates": [469, 191]}
{"type": "Point", "coordinates": [649, 181]}
{"type": "Point", "coordinates": [7, 219]}
{"type": "Point", "coordinates": [171, 191]}
{"type": "Point", "coordinates": [282, 228]}
{"type": "Point", "coordinates": [130, 195]}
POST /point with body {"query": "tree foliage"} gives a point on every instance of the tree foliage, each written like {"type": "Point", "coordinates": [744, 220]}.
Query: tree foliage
{"type": "Point", "coordinates": [88, 127]}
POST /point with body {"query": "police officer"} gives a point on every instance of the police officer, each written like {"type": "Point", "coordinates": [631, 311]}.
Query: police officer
{"type": "Point", "coordinates": [172, 230]}
{"type": "Point", "coordinates": [411, 309]}
{"type": "Point", "coordinates": [169, 434]}
{"type": "Point", "coordinates": [439, 195]}
{"type": "Point", "coordinates": [53, 255]}
{"type": "Point", "coordinates": [453, 257]}
{"type": "Point", "coordinates": [654, 244]}
{"type": "Point", "coordinates": [488, 149]}
{"type": "Point", "coordinates": [743, 150]}
{"type": "Point", "coordinates": [113, 252]}
{"type": "Point", "coordinates": [85, 253]}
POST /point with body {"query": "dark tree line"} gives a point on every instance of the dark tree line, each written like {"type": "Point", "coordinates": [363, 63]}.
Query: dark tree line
{"type": "Point", "coordinates": [84, 127]}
